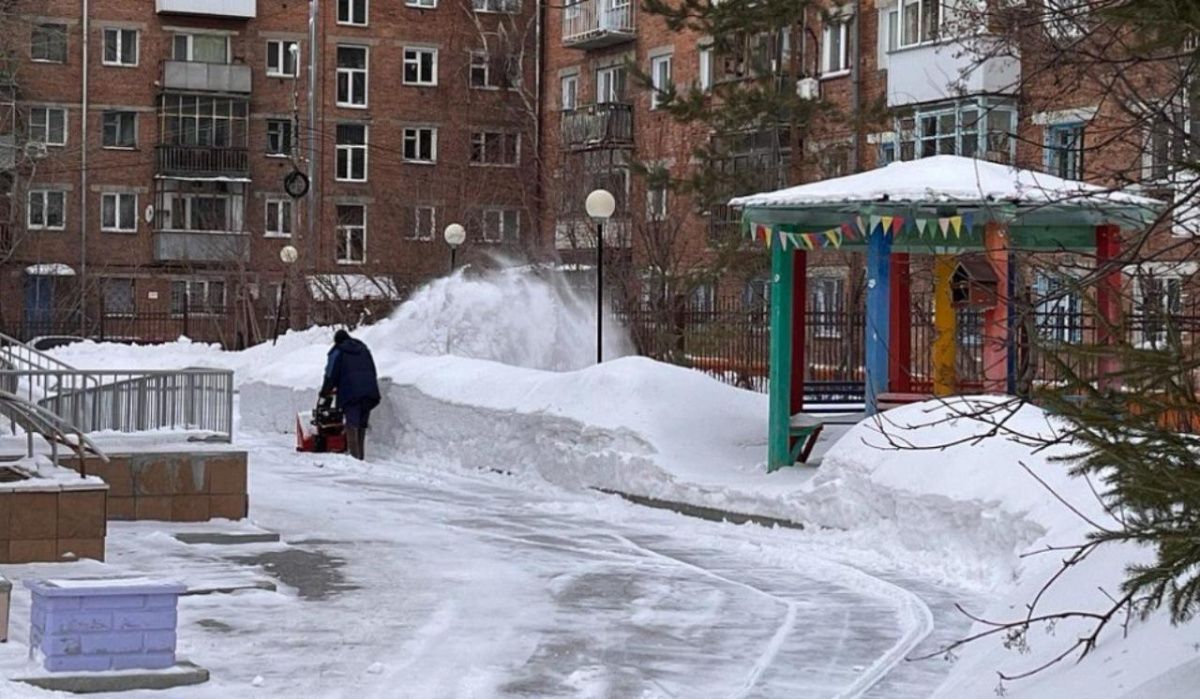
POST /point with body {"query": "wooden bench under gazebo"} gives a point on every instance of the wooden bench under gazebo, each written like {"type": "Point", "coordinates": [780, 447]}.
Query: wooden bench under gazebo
{"type": "Point", "coordinates": [969, 215]}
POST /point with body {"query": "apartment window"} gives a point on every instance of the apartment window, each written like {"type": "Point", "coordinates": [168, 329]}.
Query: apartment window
{"type": "Point", "coordinates": [47, 210]}
{"type": "Point", "coordinates": [120, 47]}
{"type": "Point", "coordinates": [494, 148]}
{"type": "Point", "coordinates": [656, 203]}
{"type": "Point", "coordinates": [352, 12]}
{"type": "Point", "coordinates": [892, 30]}
{"type": "Point", "coordinates": [420, 144]}
{"type": "Point", "coordinates": [509, 6]}
{"type": "Point", "coordinates": [422, 4]}
{"type": "Point", "coordinates": [119, 129]}
{"type": "Point", "coordinates": [420, 66]}
{"type": "Point", "coordinates": [660, 76]}
{"type": "Point", "coordinates": [920, 21]}
{"type": "Point", "coordinates": [352, 152]}
{"type": "Point", "coordinates": [976, 128]}
{"type": "Point", "coordinates": [118, 213]}
{"type": "Point", "coordinates": [279, 136]}
{"type": "Point", "coordinates": [1171, 139]}
{"type": "Point", "coordinates": [201, 48]}
{"type": "Point", "coordinates": [424, 223]}
{"type": "Point", "coordinates": [570, 93]}
{"type": "Point", "coordinates": [827, 301]}
{"type": "Point", "coordinates": [610, 84]}
{"type": "Point", "coordinates": [481, 73]}
{"type": "Point", "coordinates": [193, 120]}
{"type": "Point", "coordinates": [278, 223]}
{"type": "Point", "coordinates": [197, 296]}
{"type": "Point", "coordinates": [282, 57]}
{"type": "Point", "coordinates": [48, 125]}
{"type": "Point", "coordinates": [1059, 310]}
{"type": "Point", "coordinates": [196, 212]}
{"type": "Point", "coordinates": [1158, 301]}
{"type": "Point", "coordinates": [1064, 150]}
{"type": "Point", "coordinates": [118, 296]}
{"type": "Point", "coordinates": [704, 78]}
{"type": "Point", "coordinates": [1065, 19]}
{"type": "Point", "coordinates": [48, 43]}
{"type": "Point", "coordinates": [352, 76]}
{"type": "Point", "coordinates": [351, 234]}
{"type": "Point", "coordinates": [835, 54]}
{"type": "Point", "coordinates": [501, 225]}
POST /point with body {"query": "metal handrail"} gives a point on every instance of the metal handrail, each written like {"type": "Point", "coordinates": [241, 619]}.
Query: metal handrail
{"type": "Point", "coordinates": [21, 355]}
{"type": "Point", "coordinates": [136, 400]}
{"type": "Point", "coordinates": [35, 419]}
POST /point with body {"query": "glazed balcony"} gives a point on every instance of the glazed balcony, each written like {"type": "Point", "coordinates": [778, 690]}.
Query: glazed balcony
{"type": "Point", "coordinates": [232, 9]}
{"type": "Point", "coordinates": [193, 76]}
{"type": "Point", "coordinates": [211, 247]}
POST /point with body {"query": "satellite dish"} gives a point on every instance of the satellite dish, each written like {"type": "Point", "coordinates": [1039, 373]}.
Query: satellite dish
{"type": "Point", "coordinates": [149, 214]}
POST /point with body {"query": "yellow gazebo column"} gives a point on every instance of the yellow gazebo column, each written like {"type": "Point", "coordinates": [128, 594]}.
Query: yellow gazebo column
{"type": "Point", "coordinates": [945, 326]}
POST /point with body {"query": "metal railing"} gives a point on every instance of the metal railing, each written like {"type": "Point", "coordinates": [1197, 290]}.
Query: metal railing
{"type": "Point", "coordinates": [202, 160]}
{"type": "Point", "coordinates": [604, 124]}
{"type": "Point", "coordinates": [199, 400]}
{"type": "Point", "coordinates": [34, 419]}
{"type": "Point", "coordinates": [596, 22]}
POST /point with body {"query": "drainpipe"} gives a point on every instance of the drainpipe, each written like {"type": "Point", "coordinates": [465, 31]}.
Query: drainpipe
{"type": "Point", "coordinates": [313, 170]}
{"type": "Point", "coordinates": [856, 92]}
{"type": "Point", "coordinates": [83, 181]}
{"type": "Point", "coordinates": [538, 122]}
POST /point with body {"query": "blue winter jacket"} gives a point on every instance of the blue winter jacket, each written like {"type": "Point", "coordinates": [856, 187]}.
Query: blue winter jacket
{"type": "Point", "coordinates": [351, 371]}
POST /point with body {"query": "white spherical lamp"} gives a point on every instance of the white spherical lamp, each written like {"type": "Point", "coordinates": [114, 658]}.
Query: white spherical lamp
{"type": "Point", "coordinates": [600, 204]}
{"type": "Point", "coordinates": [288, 254]}
{"type": "Point", "coordinates": [455, 235]}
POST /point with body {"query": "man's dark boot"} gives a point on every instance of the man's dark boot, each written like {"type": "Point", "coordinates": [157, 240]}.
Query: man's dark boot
{"type": "Point", "coordinates": [354, 442]}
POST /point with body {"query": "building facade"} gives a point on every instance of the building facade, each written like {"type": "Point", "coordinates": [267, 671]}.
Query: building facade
{"type": "Point", "coordinates": [150, 150]}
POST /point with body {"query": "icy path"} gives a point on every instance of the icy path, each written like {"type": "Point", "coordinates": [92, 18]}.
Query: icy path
{"type": "Point", "coordinates": [411, 583]}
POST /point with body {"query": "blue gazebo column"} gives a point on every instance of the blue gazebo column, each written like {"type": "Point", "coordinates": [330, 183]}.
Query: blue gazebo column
{"type": "Point", "coordinates": [879, 252]}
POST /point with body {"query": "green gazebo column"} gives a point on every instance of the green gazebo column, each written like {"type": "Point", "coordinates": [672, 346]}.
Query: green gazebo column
{"type": "Point", "coordinates": [782, 317]}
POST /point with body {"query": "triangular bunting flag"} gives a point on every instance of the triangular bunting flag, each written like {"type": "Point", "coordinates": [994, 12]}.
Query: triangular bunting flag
{"type": "Point", "coordinates": [944, 225]}
{"type": "Point", "coordinates": [858, 223]}
{"type": "Point", "coordinates": [847, 231]}
{"type": "Point", "coordinates": [886, 222]}
{"type": "Point", "coordinates": [968, 223]}
{"type": "Point", "coordinates": [874, 225]}
{"type": "Point", "coordinates": [956, 225]}
{"type": "Point", "coordinates": [897, 226]}
{"type": "Point", "coordinates": [834, 236]}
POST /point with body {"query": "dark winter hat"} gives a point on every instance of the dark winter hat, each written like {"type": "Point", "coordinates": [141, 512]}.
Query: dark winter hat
{"type": "Point", "coordinates": [340, 336]}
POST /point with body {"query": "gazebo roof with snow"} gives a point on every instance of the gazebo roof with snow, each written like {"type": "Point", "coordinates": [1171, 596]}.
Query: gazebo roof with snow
{"type": "Point", "coordinates": [1040, 211]}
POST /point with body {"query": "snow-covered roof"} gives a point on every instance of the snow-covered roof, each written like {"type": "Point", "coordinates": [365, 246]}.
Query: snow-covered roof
{"type": "Point", "coordinates": [351, 287]}
{"type": "Point", "coordinates": [947, 179]}
{"type": "Point", "coordinates": [53, 269]}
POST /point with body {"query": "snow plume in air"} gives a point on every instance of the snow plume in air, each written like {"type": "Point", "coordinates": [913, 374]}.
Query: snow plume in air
{"type": "Point", "coordinates": [523, 316]}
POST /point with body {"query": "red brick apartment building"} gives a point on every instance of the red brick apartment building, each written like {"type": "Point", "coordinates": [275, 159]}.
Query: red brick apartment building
{"type": "Point", "coordinates": [145, 149]}
{"type": "Point", "coordinates": [901, 84]}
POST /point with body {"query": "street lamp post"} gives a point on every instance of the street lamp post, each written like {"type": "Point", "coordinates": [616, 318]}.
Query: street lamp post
{"type": "Point", "coordinates": [600, 206]}
{"type": "Point", "coordinates": [455, 235]}
{"type": "Point", "coordinates": [288, 255]}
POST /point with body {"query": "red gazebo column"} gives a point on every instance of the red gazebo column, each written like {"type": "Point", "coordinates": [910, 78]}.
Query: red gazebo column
{"type": "Point", "coordinates": [799, 328]}
{"type": "Point", "coordinates": [995, 319]}
{"type": "Point", "coordinates": [1108, 299]}
{"type": "Point", "coordinates": [900, 327]}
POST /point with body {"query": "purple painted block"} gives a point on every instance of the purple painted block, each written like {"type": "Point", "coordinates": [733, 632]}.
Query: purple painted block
{"type": "Point", "coordinates": [56, 604]}
{"type": "Point", "coordinates": [78, 663]}
{"type": "Point", "coordinates": [57, 645]}
{"type": "Point", "coordinates": [112, 642]}
{"type": "Point", "coordinates": [68, 622]}
{"type": "Point", "coordinates": [148, 661]}
{"type": "Point", "coordinates": [159, 641]}
{"type": "Point", "coordinates": [157, 620]}
{"type": "Point", "coordinates": [114, 602]}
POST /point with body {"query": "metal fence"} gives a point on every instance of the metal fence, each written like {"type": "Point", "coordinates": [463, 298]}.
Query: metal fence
{"type": "Point", "coordinates": [199, 400]}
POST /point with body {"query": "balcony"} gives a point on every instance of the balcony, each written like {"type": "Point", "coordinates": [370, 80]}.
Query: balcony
{"type": "Point", "coordinates": [594, 24]}
{"type": "Point", "coordinates": [202, 161]}
{"type": "Point", "coordinates": [596, 126]}
{"type": "Point", "coordinates": [935, 72]}
{"type": "Point", "coordinates": [201, 247]}
{"type": "Point", "coordinates": [234, 9]}
{"type": "Point", "coordinates": [192, 76]}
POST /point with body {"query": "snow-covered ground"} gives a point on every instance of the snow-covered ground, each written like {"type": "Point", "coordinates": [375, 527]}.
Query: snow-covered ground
{"type": "Point", "coordinates": [470, 583]}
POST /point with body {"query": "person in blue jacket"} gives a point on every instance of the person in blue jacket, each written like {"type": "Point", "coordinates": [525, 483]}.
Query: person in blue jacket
{"type": "Point", "coordinates": [350, 375]}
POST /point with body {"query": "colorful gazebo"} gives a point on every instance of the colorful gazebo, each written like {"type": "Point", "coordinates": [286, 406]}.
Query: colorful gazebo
{"type": "Point", "coordinates": [941, 206]}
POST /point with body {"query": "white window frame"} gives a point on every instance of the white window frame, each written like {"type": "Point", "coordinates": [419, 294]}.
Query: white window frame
{"type": "Point", "coordinates": [482, 138]}
{"type": "Point", "coordinates": [281, 51]}
{"type": "Point", "coordinates": [205, 307]}
{"type": "Point", "coordinates": [511, 7]}
{"type": "Point", "coordinates": [120, 34]}
{"type": "Point", "coordinates": [66, 42]}
{"type": "Point", "coordinates": [421, 4]}
{"type": "Point", "coordinates": [116, 226]}
{"type": "Point", "coordinates": [827, 294]}
{"type": "Point", "coordinates": [1168, 274]}
{"type": "Point", "coordinates": [345, 229]}
{"type": "Point", "coordinates": [119, 113]}
{"type": "Point", "coordinates": [351, 20]}
{"type": "Point", "coordinates": [46, 195]}
{"type": "Point", "coordinates": [610, 89]}
{"type": "Point", "coordinates": [923, 36]}
{"type": "Point", "coordinates": [350, 149]}
{"type": "Point", "coordinates": [829, 67]}
{"type": "Point", "coordinates": [415, 134]}
{"type": "Point", "coordinates": [45, 125]}
{"type": "Point", "coordinates": [190, 38]}
{"type": "Point", "coordinates": [275, 221]}
{"type": "Point", "coordinates": [353, 99]}
{"type": "Point", "coordinates": [657, 203]}
{"type": "Point", "coordinates": [430, 230]}
{"type": "Point", "coordinates": [660, 77]}
{"type": "Point", "coordinates": [480, 60]}
{"type": "Point", "coordinates": [176, 201]}
{"type": "Point", "coordinates": [291, 132]}
{"type": "Point", "coordinates": [569, 92]}
{"type": "Point", "coordinates": [503, 235]}
{"type": "Point", "coordinates": [1063, 19]}
{"type": "Point", "coordinates": [704, 71]}
{"type": "Point", "coordinates": [415, 60]}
